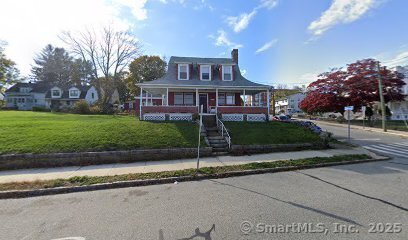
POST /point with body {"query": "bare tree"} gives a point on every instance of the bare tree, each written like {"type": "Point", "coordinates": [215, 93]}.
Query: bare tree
{"type": "Point", "coordinates": [110, 52]}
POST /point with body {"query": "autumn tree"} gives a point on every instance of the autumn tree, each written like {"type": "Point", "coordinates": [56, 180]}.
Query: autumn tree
{"type": "Point", "coordinates": [143, 69]}
{"type": "Point", "coordinates": [109, 51]}
{"type": "Point", "coordinates": [8, 70]}
{"type": "Point", "coordinates": [357, 85]}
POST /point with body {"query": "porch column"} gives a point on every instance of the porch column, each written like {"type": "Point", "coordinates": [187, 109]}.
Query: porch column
{"type": "Point", "coordinates": [167, 96]}
{"type": "Point", "coordinates": [268, 102]}
{"type": "Point", "coordinates": [244, 99]}
{"type": "Point", "coordinates": [197, 99]}
{"type": "Point", "coordinates": [140, 103]}
{"type": "Point", "coordinates": [216, 100]}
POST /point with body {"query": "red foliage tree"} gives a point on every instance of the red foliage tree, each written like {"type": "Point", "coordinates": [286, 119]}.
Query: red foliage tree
{"type": "Point", "coordinates": [355, 86]}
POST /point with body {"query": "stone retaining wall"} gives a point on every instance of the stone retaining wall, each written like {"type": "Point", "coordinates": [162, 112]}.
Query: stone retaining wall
{"type": "Point", "coordinates": [253, 149]}
{"type": "Point", "coordinates": [19, 161]}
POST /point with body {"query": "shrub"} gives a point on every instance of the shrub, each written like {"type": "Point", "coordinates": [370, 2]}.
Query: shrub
{"type": "Point", "coordinates": [40, 109]}
{"type": "Point", "coordinates": [95, 109]}
{"type": "Point", "coordinates": [81, 107]}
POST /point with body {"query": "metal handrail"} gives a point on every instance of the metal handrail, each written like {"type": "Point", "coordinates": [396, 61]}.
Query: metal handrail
{"type": "Point", "coordinates": [224, 130]}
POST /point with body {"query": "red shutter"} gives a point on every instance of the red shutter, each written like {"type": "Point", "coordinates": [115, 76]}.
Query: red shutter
{"type": "Point", "coordinates": [191, 71]}
{"type": "Point", "coordinates": [220, 72]}
{"type": "Point", "coordinates": [232, 73]}
{"type": "Point", "coordinates": [177, 73]}
{"type": "Point", "coordinates": [199, 72]}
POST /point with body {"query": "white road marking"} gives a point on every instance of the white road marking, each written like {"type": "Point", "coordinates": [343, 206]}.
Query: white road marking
{"type": "Point", "coordinates": [383, 151]}
{"type": "Point", "coordinates": [397, 149]}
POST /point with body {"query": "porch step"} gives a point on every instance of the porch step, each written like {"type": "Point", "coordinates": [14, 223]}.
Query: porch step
{"type": "Point", "coordinates": [212, 129]}
{"type": "Point", "coordinates": [217, 141]}
{"type": "Point", "coordinates": [220, 149]}
{"type": "Point", "coordinates": [218, 137]}
{"type": "Point", "coordinates": [219, 145]}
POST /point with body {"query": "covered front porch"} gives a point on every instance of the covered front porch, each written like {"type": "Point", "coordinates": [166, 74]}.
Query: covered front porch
{"type": "Point", "coordinates": [182, 103]}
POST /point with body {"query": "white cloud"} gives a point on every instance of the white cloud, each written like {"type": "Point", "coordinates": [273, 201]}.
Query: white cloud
{"type": "Point", "coordinates": [243, 72]}
{"type": "Point", "coordinates": [28, 25]}
{"type": "Point", "coordinates": [222, 40]}
{"type": "Point", "coordinates": [241, 22]}
{"type": "Point", "coordinates": [268, 4]}
{"type": "Point", "coordinates": [137, 8]}
{"type": "Point", "coordinates": [308, 77]}
{"type": "Point", "coordinates": [341, 12]}
{"type": "Point", "coordinates": [266, 46]}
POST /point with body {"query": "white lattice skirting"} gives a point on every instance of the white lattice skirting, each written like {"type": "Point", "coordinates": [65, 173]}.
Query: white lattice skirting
{"type": "Point", "coordinates": [233, 117]}
{"type": "Point", "coordinates": [154, 117]}
{"type": "Point", "coordinates": [256, 117]}
{"type": "Point", "coordinates": [181, 117]}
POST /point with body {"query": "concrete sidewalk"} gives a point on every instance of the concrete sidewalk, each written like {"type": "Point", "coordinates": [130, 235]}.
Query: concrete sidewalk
{"type": "Point", "coordinates": [169, 165]}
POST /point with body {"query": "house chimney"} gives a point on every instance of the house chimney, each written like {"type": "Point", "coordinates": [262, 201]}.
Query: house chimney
{"type": "Point", "coordinates": [234, 55]}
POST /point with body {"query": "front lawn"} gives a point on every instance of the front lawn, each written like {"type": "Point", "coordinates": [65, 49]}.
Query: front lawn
{"type": "Point", "coordinates": [35, 132]}
{"type": "Point", "coordinates": [245, 133]}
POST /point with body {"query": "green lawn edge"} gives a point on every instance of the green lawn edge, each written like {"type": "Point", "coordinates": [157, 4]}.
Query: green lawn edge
{"type": "Point", "coordinates": [91, 180]}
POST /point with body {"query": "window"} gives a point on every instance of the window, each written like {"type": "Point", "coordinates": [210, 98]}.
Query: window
{"type": "Point", "coordinates": [93, 95]}
{"type": "Point", "coordinates": [188, 99]}
{"type": "Point", "coordinates": [230, 99]}
{"type": "Point", "coordinates": [221, 99]}
{"type": "Point", "coordinates": [205, 72]}
{"type": "Point", "coordinates": [73, 93]}
{"type": "Point", "coordinates": [55, 93]}
{"type": "Point", "coordinates": [227, 73]}
{"type": "Point", "coordinates": [183, 71]}
{"type": "Point", "coordinates": [184, 99]}
{"type": "Point", "coordinates": [9, 100]}
{"type": "Point", "coordinates": [178, 99]}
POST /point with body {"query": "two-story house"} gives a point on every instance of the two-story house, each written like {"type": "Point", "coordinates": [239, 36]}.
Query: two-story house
{"type": "Point", "coordinates": [290, 104]}
{"type": "Point", "coordinates": [65, 97]}
{"type": "Point", "coordinates": [400, 109]}
{"type": "Point", "coordinates": [25, 96]}
{"type": "Point", "coordinates": [214, 84]}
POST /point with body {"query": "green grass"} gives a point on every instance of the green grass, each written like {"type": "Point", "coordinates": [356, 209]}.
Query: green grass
{"type": "Point", "coordinates": [90, 180]}
{"type": "Point", "coordinates": [245, 133]}
{"type": "Point", "coordinates": [35, 132]}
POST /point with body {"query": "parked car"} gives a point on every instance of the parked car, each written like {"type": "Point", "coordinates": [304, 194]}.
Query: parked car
{"type": "Point", "coordinates": [310, 125]}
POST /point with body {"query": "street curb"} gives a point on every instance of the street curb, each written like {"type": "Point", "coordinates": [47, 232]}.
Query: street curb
{"type": "Point", "coordinates": [14, 194]}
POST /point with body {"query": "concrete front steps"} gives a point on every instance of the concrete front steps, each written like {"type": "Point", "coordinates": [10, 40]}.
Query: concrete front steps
{"type": "Point", "coordinates": [216, 140]}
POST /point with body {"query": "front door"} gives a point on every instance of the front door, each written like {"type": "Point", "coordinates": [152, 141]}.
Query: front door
{"type": "Point", "coordinates": [203, 101]}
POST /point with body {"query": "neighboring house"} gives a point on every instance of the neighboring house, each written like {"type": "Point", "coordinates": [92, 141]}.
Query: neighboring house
{"type": "Point", "coordinates": [216, 84]}
{"type": "Point", "coordinates": [66, 97]}
{"type": "Point", "coordinates": [147, 100]}
{"type": "Point", "coordinates": [399, 110]}
{"type": "Point", "coordinates": [290, 104]}
{"type": "Point", "coordinates": [25, 96]}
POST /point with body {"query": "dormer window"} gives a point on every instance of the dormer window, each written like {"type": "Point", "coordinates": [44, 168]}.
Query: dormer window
{"type": "Point", "coordinates": [183, 72]}
{"type": "Point", "coordinates": [56, 93]}
{"type": "Point", "coordinates": [205, 72]}
{"type": "Point", "coordinates": [227, 73]}
{"type": "Point", "coordinates": [73, 93]}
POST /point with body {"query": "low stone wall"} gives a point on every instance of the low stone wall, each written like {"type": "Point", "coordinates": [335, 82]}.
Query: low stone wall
{"type": "Point", "coordinates": [253, 149]}
{"type": "Point", "coordinates": [19, 161]}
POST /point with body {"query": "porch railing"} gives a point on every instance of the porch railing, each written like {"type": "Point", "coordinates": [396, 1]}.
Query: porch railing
{"type": "Point", "coordinates": [242, 109]}
{"type": "Point", "coordinates": [224, 131]}
{"type": "Point", "coordinates": [169, 109]}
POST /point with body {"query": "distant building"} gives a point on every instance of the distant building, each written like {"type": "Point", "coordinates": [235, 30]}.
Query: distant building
{"type": "Point", "coordinates": [25, 96]}
{"type": "Point", "coordinates": [399, 110]}
{"type": "Point", "coordinates": [290, 104]}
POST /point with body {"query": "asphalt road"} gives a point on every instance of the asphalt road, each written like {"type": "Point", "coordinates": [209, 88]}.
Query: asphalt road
{"type": "Point", "coordinates": [362, 201]}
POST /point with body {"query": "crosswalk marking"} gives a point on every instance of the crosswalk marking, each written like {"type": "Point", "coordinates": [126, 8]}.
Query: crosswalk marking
{"type": "Point", "coordinates": [396, 149]}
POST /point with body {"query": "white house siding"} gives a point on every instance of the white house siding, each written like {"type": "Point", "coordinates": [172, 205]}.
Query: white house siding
{"type": "Point", "coordinates": [39, 100]}
{"type": "Point", "coordinates": [290, 104]}
{"type": "Point", "coordinates": [400, 109]}
{"type": "Point", "coordinates": [88, 96]}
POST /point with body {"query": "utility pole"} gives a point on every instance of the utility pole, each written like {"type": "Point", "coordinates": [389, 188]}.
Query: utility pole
{"type": "Point", "coordinates": [380, 88]}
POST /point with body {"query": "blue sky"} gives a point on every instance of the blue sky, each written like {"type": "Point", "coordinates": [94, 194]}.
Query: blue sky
{"type": "Point", "coordinates": [280, 41]}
